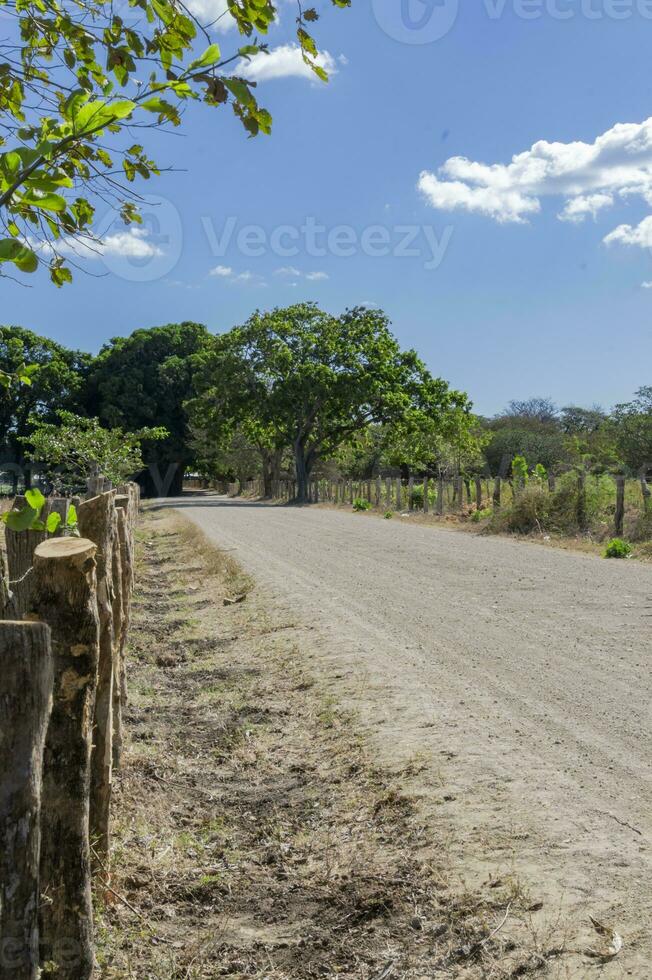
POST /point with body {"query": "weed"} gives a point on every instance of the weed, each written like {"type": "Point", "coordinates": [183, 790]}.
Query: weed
{"type": "Point", "coordinates": [389, 514]}
{"type": "Point", "coordinates": [617, 548]}
{"type": "Point", "coordinates": [360, 504]}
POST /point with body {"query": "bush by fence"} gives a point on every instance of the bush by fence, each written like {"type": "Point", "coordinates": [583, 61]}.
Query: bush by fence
{"type": "Point", "coordinates": [568, 504]}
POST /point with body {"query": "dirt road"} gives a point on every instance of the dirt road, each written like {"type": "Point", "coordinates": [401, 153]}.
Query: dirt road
{"type": "Point", "coordinates": [516, 676]}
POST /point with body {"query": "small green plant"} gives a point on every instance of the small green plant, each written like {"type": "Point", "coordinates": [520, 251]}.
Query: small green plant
{"type": "Point", "coordinates": [28, 517]}
{"type": "Point", "coordinates": [617, 548]}
{"type": "Point", "coordinates": [361, 504]}
{"type": "Point", "coordinates": [389, 514]}
{"type": "Point", "coordinates": [520, 471]}
{"type": "Point", "coordinates": [540, 473]}
{"type": "Point", "coordinates": [481, 515]}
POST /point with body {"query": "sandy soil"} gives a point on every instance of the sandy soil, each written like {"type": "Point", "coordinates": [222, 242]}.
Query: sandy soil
{"type": "Point", "coordinates": [521, 674]}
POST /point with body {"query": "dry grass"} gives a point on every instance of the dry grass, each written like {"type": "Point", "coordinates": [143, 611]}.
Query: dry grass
{"type": "Point", "coordinates": [254, 836]}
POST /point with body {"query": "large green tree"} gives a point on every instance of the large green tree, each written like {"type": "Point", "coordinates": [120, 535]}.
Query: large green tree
{"type": "Point", "coordinates": [312, 381]}
{"type": "Point", "coordinates": [631, 424]}
{"type": "Point", "coordinates": [77, 77]}
{"type": "Point", "coordinates": [143, 381]}
{"type": "Point", "coordinates": [58, 382]}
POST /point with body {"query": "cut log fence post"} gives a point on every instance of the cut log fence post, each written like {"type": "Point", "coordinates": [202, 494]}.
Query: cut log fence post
{"type": "Point", "coordinates": [64, 597]}
{"type": "Point", "coordinates": [426, 502]}
{"type": "Point", "coordinates": [478, 492]}
{"type": "Point", "coordinates": [127, 568]}
{"type": "Point", "coordinates": [26, 679]}
{"type": "Point", "coordinates": [21, 546]}
{"type": "Point", "coordinates": [440, 495]}
{"type": "Point", "coordinates": [388, 493]}
{"type": "Point", "coordinates": [647, 495]}
{"type": "Point", "coordinates": [119, 630]}
{"type": "Point", "coordinates": [497, 491]}
{"type": "Point", "coordinates": [582, 517]}
{"type": "Point", "coordinates": [98, 521]}
{"type": "Point", "coordinates": [619, 516]}
{"type": "Point", "coordinates": [411, 493]}
{"type": "Point", "coordinates": [399, 488]}
{"type": "Point", "coordinates": [379, 491]}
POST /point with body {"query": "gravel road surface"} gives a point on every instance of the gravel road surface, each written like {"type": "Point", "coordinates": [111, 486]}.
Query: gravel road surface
{"type": "Point", "coordinates": [519, 675]}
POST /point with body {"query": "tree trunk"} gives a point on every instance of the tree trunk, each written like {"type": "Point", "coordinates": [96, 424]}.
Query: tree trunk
{"type": "Point", "coordinates": [25, 705]}
{"type": "Point", "coordinates": [65, 598]}
{"type": "Point", "coordinates": [98, 521]}
{"type": "Point", "coordinates": [303, 468]}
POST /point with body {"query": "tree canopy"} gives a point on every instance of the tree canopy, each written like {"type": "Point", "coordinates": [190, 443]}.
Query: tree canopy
{"type": "Point", "coordinates": [142, 381]}
{"type": "Point", "coordinates": [311, 381]}
{"type": "Point", "coordinates": [77, 78]}
{"type": "Point", "coordinates": [57, 380]}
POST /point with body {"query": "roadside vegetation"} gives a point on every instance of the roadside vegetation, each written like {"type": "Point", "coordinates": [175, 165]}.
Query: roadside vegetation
{"type": "Point", "coordinates": [299, 395]}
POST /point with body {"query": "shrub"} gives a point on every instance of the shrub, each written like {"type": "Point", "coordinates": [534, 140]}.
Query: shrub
{"type": "Point", "coordinates": [481, 515]}
{"type": "Point", "coordinates": [617, 548]}
{"type": "Point", "coordinates": [389, 514]}
{"type": "Point", "coordinates": [361, 504]}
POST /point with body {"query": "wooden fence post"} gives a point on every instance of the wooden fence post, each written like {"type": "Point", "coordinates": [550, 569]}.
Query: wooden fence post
{"type": "Point", "coordinates": [398, 494]}
{"type": "Point", "coordinates": [426, 502]}
{"type": "Point", "coordinates": [98, 521]}
{"type": "Point", "coordinates": [25, 703]}
{"type": "Point", "coordinates": [497, 489]}
{"type": "Point", "coordinates": [582, 519]}
{"type": "Point", "coordinates": [21, 546]}
{"type": "Point", "coordinates": [64, 597]}
{"type": "Point", "coordinates": [379, 491]}
{"type": "Point", "coordinates": [647, 494]}
{"type": "Point", "coordinates": [619, 516]}
{"type": "Point", "coordinates": [388, 493]}
{"type": "Point", "coordinates": [411, 493]}
{"type": "Point", "coordinates": [119, 629]}
{"type": "Point", "coordinates": [440, 495]}
{"type": "Point", "coordinates": [127, 586]}
{"type": "Point", "coordinates": [478, 492]}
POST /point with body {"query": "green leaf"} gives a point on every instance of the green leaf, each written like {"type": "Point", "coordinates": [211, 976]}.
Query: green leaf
{"type": "Point", "coordinates": [53, 522]}
{"type": "Point", "coordinates": [35, 499]}
{"type": "Point", "coordinates": [71, 520]}
{"type": "Point", "coordinates": [14, 251]}
{"type": "Point", "coordinates": [20, 520]}
{"type": "Point", "coordinates": [210, 56]}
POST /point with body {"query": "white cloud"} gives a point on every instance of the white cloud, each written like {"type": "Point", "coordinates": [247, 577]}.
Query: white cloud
{"type": "Point", "coordinates": [287, 270]}
{"type": "Point", "coordinates": [587, 175]}
{"type": "Point", "coordinates": [212, 13]}
{"type": "Point", "coordinates": [292, 272]}
{"type": "Point", "coordinates": [245, 278]}
{"type": "Point", "coordinates": [286, 61]}
{"type": "Point", "coordinates": [578, 208]}
{"type": "Point", "coordinates": [639, 235]}
{"type": "Point", "coordinates": [646, 285]}
{"type": "Point", "coordinates": [131, 243]}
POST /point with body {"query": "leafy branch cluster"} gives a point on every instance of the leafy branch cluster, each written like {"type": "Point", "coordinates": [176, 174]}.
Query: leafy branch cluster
{"type": "Point", "coordinates": [74, 75]}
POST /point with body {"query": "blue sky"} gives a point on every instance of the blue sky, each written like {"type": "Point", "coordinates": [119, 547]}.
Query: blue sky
{"type": "Point", "coordinates": [502, 298]}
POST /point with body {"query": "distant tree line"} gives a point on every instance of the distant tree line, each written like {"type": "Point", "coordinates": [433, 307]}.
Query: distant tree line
{"type": "Point", "coordinates": [297, 392]}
